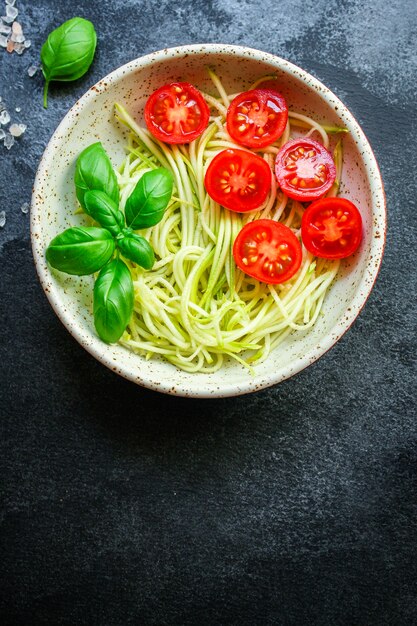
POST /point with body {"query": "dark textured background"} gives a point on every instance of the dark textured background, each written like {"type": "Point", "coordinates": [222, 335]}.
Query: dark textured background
{"type": "Point", "coordinates": [296, 505]}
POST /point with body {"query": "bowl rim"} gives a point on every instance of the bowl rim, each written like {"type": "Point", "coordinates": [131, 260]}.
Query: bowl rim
{"type": "Point", "coordinates": [363, 289]}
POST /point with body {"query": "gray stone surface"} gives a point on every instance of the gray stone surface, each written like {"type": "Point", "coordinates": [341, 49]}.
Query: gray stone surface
{"type": "Point", "coordinates": [293, 506]}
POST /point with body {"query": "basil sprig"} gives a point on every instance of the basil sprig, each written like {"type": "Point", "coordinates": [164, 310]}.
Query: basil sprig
{"type": "Point", "coordinates": [68, 52]}
{"type": "Point", "coordinates": [87, 249]}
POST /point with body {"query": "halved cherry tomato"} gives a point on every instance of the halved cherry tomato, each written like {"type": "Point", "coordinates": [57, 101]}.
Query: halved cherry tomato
{"type": "Point", "coordinates": [305, 169]}
{"type": "Point", "coordinates": [176, 113]}
{"type": "Point", "coordinates": [257, 118]}
{"type": "Point", "coordinates": [238, 180]}
{"type": "Point", "coordinates": [331, 228]}
{"type": "Point", "coordinates": [268, 251]}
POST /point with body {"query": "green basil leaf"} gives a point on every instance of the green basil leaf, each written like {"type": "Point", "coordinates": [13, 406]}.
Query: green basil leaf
{"type": "Point", "coordinates": [94, 171]}
{"type": "Point", "coordinates": [137, 249]}
{"type": "Point", "coordinates": [68, 52]}
{"type": "Point", "coordinates": [147, 203]}
{"type": "Point", "coordinates": [102, 209]}
{"type": "Point", "coordinates": [113, 300]}
{"type": "Point", "coordinates": [80, 250]}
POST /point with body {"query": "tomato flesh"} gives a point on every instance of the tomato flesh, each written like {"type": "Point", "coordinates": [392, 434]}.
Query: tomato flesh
{"type": "Point", "coordinates": [238, 180]}
{"type": "Point", "coordinates": [331, 228]}
{"type": "Point", "coordinates": [268, 251]}
{"type": "Point", "coordinates": [257, 118]}
{"type": "Point", "coordinates": [176, 113]}
{"type": "Point", "coordinates": [304, 169]}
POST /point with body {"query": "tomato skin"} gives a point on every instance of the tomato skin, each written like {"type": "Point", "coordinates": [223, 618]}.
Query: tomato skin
{"type": "Point", "coordinates": [305, 170]}
{"type": "Point", "coordinates": [257, 118]}
{"type": "Point", "coordinates": [268, 251]}
{"type": "Point", "coordinates": [238, 180]}
{"type": "Point", "coordinates": [176, 113]}
{"type": "Point", "coordinates": [331, 228]}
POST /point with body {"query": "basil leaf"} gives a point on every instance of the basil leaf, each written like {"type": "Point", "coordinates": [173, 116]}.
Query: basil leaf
{"type": "Point", "coordinates": [80, 250]}
{"type": "Point", "coordinates": [102, 208]}
{"type": "Point", "coordinates": [68, 52]}
{"type": "Point", "coordinates": [113, 300]}
{"type": "Point", "coordinates": [147, 203]}
{"type": "Point", "coordinates": [94, 171]}
{"type": "Point", "coordinates": [137, 249]}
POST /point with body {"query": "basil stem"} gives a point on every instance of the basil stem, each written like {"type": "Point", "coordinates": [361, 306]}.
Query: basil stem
{"type": "Point", "coordinates": [113, 300]}
{"type": "Point", "coordinates": [137, 249]}
{"type": "Point", "coordinates": [94, 171]}
{"type": "Point", "coordinates": [146, 204]}
{"type": "Point", "coordinates": [80, 250]}
{"type": "Point", "coordinates": [68, 52]}
{"type": "Point", "coordinates": [104, 210]}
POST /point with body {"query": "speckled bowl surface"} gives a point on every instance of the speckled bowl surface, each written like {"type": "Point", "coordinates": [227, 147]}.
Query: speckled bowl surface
{"type": "Point", "coordinates": [91, 119]}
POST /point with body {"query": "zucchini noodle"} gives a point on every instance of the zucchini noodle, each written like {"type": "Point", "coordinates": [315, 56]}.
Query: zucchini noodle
{"type": "Point", "coordinates": [195, 308]}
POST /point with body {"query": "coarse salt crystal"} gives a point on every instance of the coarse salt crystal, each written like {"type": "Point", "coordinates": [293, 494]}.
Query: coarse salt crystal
{"type": "Point", "coordinates": [2, 134]}
{"type": "Point", "coordinates": [7, 19]}
{"type": "Point", "coordinates": [10, 46]}
{"type": "Point", "coordinates": [11, 2]}
{"type": "Point", "coordinates": [17, 129]}
{"type": "Point", "coordinates": [3, 41]}
{"type": "Point", "coordinates": [19, 48]}
{"type": "Point", "coordinates": [2, 218]}
{"type": "Point", "coordinates": [8, 141]}
{"type": "Point", "coordinates": [18, 109]}
{"type": "Point", "coordinates": [32, 70]}
{"type": "Point", "coordinates": [27, 43]}
{"type": "Point", "coordinates": [4, 117]}
{"type": "Point", "coordinates": [17, 38]}
{"type": "Point", "coordinates": [4, 28]}
{"type": "Point", "coordinates": [25, 207]}
{"type": "Point", "coordinates": [11, 11]}
{"type": "Point", "coordinates": [17, 28]}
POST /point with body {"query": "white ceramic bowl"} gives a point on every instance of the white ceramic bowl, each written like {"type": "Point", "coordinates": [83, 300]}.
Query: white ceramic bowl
{"type": "Point", "coordinates": [91, 119]}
